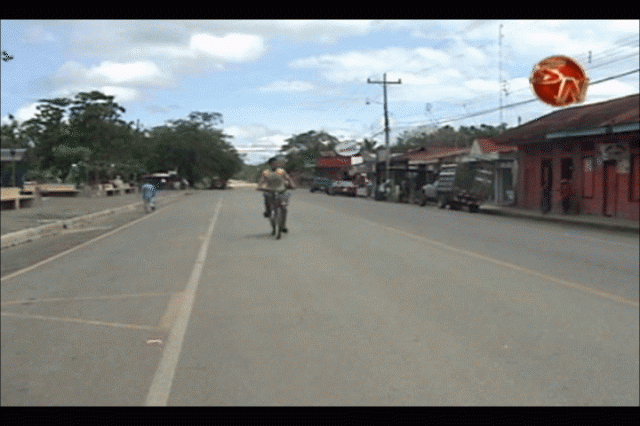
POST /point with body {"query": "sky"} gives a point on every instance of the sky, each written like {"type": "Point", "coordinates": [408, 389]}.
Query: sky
{"type": "Point", "coordinates": [272, 79]}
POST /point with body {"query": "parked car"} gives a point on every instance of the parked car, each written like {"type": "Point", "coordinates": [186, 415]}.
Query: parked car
{"type": "Point", "coordinates": [344, 187]}
{"type": "Point", "coordinates": [320, 184]}
{"type": "Point", "coordinates": [429, 193]}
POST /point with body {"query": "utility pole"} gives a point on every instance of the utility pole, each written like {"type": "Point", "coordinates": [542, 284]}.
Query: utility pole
{"type": "Point", "coordinates": [384, 83]}
{"type": "Point", "coordinates": [500, 68]}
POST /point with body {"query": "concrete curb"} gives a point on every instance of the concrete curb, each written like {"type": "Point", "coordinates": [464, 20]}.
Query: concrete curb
{"type": "Point", "coordinates": [566, 220]}
{"type": "Point", "coordinates": [31, 234]}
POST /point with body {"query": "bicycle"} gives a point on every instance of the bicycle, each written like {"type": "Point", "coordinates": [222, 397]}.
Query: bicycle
{"type": "Point", "coordinates": [278, 202]}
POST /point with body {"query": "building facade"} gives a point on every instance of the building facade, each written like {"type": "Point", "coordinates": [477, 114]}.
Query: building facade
{"type": "Point", "coordinates": [334, 167]}
{"type": "Point", "coordinates": [14, 166]}
{"type": "Point", "coordinates": [581, 160]}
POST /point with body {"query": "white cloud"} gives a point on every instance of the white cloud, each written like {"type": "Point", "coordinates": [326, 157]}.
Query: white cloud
{"type": "Point", "coordinates": [121, 94]}
{"type": "Point", "coordinates": [359, 65]}
{"type": "Point", "coordinates": [26, 112]}
{"type": "Point", "coordinates": [609, 90]}
{"type": "Point", "coordinates": [627, 26]}
{"type": "Point", "coordinates": [231, 47]}
{"type": "Point", "coordinates": [254, 131]}
{"type": "Point", "coordinates": [256, 135]}
{"type": "Point", "coordinates": [142, 72]}
{"type": "Point", "coordinates": [276, 140]}
{"type": "Point", "coordinates": [36, 34]}
{"type": "Point", "coordinates": [287, 86]}
{"type": "Point", "coordinates": [109, 77]}
{"type": "Point", "coordinates": [482, 85]}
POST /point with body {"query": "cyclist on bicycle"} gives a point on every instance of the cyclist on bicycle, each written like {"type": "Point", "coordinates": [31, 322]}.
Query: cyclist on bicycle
{"type": "Point", "coordinates": [274, 180]}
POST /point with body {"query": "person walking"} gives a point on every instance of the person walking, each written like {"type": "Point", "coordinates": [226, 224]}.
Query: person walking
{"type": "Point", "coordinates": [149, 193]}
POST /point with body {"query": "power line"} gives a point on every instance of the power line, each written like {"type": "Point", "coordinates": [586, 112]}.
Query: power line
{"type": "Point", "coordinates": [439, 122]}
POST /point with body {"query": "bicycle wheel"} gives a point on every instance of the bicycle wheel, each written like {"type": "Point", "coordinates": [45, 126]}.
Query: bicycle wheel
{"type": "Point", "coordinates": [279, 221]}
{"type": "Point", "coordinates": [272, 219]}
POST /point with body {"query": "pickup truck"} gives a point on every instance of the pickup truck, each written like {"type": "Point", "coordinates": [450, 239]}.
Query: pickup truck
{"type": "Point", "coordinates": [463, 184]}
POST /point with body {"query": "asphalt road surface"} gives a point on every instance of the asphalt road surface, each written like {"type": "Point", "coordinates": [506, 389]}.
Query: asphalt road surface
{"type": "Point", "coordinates": [361, 303]}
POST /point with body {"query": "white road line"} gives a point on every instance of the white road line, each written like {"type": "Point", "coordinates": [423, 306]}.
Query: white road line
{"type": "Point", "coordinates": [163, 378]}
{"type": "Point", "coordinates": [95, 228]}
{"type": "Point", "coordinates": [81, 321]}
{"type": "Point", "coordinates": [72, 249]}
{"type": "Point", "coordinates": [82, 299]}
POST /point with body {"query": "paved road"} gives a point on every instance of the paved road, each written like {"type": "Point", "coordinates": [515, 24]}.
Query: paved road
{"type": "Point", "coordinates": [362, 303]}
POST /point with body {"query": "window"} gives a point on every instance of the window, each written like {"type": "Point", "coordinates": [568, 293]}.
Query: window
{"type": "Point", "coordinates": [634, 179]}
{"type": "Point", "coordinates": [588, 177]}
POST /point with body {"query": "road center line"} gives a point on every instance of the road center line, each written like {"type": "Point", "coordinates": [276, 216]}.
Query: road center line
{"type": "Point", "coordinates": [163, 379]}
{"type": "Point", "coordinates": [580, 287]}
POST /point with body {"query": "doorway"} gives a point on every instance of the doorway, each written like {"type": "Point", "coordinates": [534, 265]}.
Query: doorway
{"type": "Point", "coordinates": [546, 184]}
{"type": "Point", "coordinates": [610, 188]}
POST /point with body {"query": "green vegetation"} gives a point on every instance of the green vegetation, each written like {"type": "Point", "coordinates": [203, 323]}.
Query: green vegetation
{"type": "Point", "coordinates": [88, 131]}
{"type": "Point", "coordinates": [445, 136]}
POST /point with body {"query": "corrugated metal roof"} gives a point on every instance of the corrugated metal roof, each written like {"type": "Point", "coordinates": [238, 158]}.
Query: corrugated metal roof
{"type": "Point", "coordinates": [433, 154]}
{"type": "Point", "coordinates": [601, 114]}
{"type": "Point", "coordinates": [487, 146]}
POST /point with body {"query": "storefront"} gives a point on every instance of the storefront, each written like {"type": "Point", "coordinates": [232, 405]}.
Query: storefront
{"type": "Point", "coordinates": [334, 167]}
{"type": "Point", "coordinates": [410, 171]}
{"type": "Point", "coordinates": [581, 160]}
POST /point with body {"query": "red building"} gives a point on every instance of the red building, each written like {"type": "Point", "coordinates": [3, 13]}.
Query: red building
{"type": "Point", "coordinates": [334, 167]}
{"type": "Point", "coordinates": [584, 158]}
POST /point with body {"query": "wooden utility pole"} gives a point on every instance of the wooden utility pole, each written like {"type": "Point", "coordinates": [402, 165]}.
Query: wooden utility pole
{"type": "Point", "coordinates": [384, 83]}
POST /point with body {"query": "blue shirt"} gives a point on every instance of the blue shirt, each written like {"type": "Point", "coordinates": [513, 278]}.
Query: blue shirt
{"type": "Point", "coordinates": [148, 191]}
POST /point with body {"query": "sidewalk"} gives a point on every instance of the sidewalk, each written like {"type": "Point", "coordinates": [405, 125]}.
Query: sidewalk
{"type": "Point", "coordinates": [52, 214]}
{"type": "Point", "coordinates": [600, 222]}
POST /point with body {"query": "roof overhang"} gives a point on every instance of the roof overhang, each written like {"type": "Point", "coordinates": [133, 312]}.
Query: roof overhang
{"type": "Point", "coordinates": [620, 128]}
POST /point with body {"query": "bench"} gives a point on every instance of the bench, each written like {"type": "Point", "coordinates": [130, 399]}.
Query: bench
{"type": "Point", "coordinates": [109, 189]}
{"type": "Point", "coordinates": [28, 188]}
{"type": "Point", "coordinates": [12, 197]}
{"type": "Point", "coordinates": [57, 189]}
{"type": "Point", "coordinates": [128, 188]}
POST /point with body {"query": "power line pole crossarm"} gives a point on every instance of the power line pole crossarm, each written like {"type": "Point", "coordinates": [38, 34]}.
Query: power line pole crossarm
{"type": "Point", "coordinates": [384, 83]}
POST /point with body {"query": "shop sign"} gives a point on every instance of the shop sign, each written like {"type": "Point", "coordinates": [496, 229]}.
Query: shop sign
{"type": "Point", "coordinates": [613, 151]}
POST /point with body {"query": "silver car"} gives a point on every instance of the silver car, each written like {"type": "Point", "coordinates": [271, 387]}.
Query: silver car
{"type": "Point", "coordinates": [429, 192]}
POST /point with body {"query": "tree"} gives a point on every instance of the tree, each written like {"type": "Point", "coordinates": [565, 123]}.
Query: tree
{"type": "Point", "coordinates": [12, 135]}
{"type": "Point", "coordinates": [95, 123]}
{"type": "Point", "coordinates": [369, 145]}
{"type": "Point", "coordinates": [196, 148]}
{"type": "Point", "coordinates": [303, 149]}
{"type": "Point", "coordinates": [425, 136]}
{"type": "Point", "coordinates": [47, 130]}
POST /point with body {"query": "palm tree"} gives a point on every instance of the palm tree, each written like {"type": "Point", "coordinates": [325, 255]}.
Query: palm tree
{"type": "Point", "coordinates": [369, 145]}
